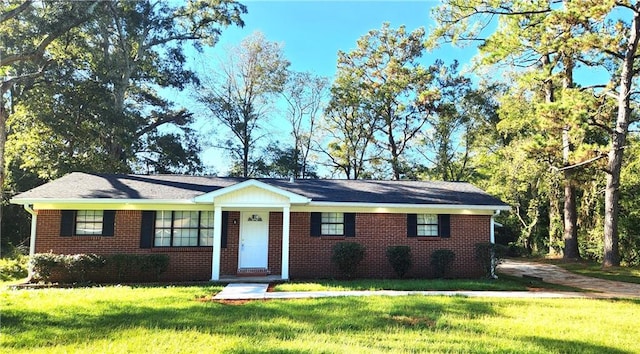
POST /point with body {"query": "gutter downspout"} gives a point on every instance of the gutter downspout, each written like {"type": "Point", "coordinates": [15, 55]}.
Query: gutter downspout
{"type": "Point", "coordinates": [493, 242]}
{"type": "Point", "coordinates": [32, 241]}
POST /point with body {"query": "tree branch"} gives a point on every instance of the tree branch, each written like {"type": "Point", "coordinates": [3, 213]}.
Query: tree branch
{"type": "Point", "coordinates": [13, 13]}
{"type": "Point", "coordinates": [571, 167]}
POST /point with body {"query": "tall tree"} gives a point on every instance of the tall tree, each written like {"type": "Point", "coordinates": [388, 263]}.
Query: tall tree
{"type": "Point", "coordinates": [305, 95]}
{"type": "Point", "coordinates": [100, 103]}
{"type": "Point", "coordinates": [81, 81]}
{"type": "Point", "coordinates": [350, 128]}
{"type": "Point", "coordinates": [392, 85]}
{"type": "Point", "coordinates": [593, 33]}
{"type": "Point", "coordinates": [459, 127]}
{"type": "Point", "coordinates": [28, 28]}
{"type": "Point", "coordinates": [241, 93]}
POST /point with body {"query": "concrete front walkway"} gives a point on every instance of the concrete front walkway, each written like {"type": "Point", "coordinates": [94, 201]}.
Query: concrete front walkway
{"type": "Point", "coordinates": [598, 288]}
{"type": "Point", "coordinates": [253, 291]}
{"type": "Point", "coordinates": [556, 275]}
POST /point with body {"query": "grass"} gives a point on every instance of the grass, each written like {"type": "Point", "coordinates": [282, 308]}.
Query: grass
{"type": "Point", "coordinates": [119, 319]}
{"type": "Point", "coordinates": [591, 269]}
{"type": "Point", "coordinates": [504, 283]}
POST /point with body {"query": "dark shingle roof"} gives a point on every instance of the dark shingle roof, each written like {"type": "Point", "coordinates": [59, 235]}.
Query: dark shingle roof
{"type": "Point", "coordinates": [177, 187]}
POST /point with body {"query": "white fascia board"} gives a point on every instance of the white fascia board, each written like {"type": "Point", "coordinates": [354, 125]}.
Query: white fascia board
{"type": "Point", "coordinates": [410, 206]}
{"type": "Point", "coordinates": [211, 196]}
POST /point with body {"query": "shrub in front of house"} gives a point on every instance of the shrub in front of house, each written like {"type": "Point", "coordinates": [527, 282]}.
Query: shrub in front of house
{"type": "Point", "coordinates": [45, 264]}
{"type": "Point", "coordinates": [347, 256]}
{"type": "Point", "coordinates": [489, 255]}
{"type": "Point", "coordinates": [155, 264]}
{"type": "Point", "coordinates": [13, 268]}
{"type": "Point", "coordinates": [83, 268]}
{"type": "Point", "coordinates": [400, 259]}
{"type": "Point", "coordinates": [441, 262]}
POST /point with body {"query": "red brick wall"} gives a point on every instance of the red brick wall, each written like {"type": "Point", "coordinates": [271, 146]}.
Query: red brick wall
{"type": "Point", "coordinates": [229, 255]}
{"type": "Point", "coordinates": [310, 257]}
{"type": "Point", "coordinates": [186, 263]}
{"type": "Point", "coordinates": [275, 243]}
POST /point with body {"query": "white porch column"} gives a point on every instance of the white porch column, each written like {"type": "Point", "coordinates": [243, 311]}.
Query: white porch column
{"type": "Point", "coordinates": [286, 217]}
{"type": "Point", "coordinates": [217, 239]}
{"type": "Point", "coordinates": [32, 241]}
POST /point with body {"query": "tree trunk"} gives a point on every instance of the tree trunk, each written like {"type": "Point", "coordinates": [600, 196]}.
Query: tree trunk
{"type": "Point", "coordinates": [571, 251]}
{"type": "Point", "coordinates": [611, 256]}
{"type": "Point", "coordinates": [570, 220]}
{"type": "Point", "coordinates": [555, 221]}
{"type": "Point", "coordinates": [3, 140]}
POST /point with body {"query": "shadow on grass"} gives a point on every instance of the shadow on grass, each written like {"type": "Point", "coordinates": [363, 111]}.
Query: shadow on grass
{"type": "Point", "coordinates": [552, 345]}
{"type": "Point", "coordinates": [259, 321]}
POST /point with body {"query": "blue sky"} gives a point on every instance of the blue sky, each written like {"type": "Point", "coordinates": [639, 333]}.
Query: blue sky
{"type": "Point", "coordinates": [312, 32]}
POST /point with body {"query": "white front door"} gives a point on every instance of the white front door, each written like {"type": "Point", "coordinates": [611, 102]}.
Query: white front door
{"type": "Point", "coordinates": [254, 240]}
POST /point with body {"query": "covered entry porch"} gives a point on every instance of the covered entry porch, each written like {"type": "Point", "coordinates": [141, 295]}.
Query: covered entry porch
{"type": "Point", "coordinates": [253, 230]}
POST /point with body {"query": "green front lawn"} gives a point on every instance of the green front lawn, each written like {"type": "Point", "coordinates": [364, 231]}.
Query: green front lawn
{"type": "Point", "coordinates": [503, 283]}
{"type": "Point", "coordinates": [173, 319]}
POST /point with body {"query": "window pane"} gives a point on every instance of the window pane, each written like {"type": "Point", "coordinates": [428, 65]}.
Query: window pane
{"type": "Point", "coordinates": [89, 222]}
{"type": "Point", "coordinates": [206, 219]}
{"type": "Point", "coordinates": [185, 219]}
{"type": "Point", "coordinates": [206, 237]}
{"type": "Point", "coordinates": [332, 218]}
{"type": "Point", "coordinates": [88, 228]}
{"type": "Point", "coordinates": [427, 219]}
{"type": "Point", "coordinates": [427, 230]}
{"type": "Point", "coordinates": [162, 238]}
{"type": "Point", "coordinates": [185, 237]}
{"type": "Point", "coordinates": [332, 229]}
{"type": "Point", "coordinates": [163, 219]}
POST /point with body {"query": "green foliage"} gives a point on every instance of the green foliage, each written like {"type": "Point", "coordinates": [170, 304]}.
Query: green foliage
{"type": "Point", "coordinates": [80, 266]}
{"type": "Point", "coordinates": [13, 268]}
{"type": "Point", "coordinates": [99, 105]}
{"type": "Point", "coordinates": [347, 256]}
{"type": "Point", "coordinates": [154, 263]}
{"type": "Point", "coordinates": [242, 92]}
{"type": "Point", "coordinates": [489, 255]}
{"type": "Point", "coordinates": [441, 262]}
{"type": "Point", "coordinates": [84, 268]}
{"type": "Point", "coordinates": [44, 264]}
{"type": "Point", "coordinates": [400, 259]}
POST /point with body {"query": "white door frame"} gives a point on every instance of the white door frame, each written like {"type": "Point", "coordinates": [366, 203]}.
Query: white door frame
{"type": "Point", "coordinates": [244, 220]}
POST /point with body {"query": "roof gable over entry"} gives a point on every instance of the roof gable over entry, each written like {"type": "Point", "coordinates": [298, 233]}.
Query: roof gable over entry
{"type": "Point", "coordinates": [251, 193]}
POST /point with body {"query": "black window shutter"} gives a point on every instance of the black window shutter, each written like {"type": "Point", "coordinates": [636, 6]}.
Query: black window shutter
{"type": "Point", "coordinates": [316, 224]}
{"type": "Point", "coordinates": [108, 222]}
{"type": "Point", "coordinates": [224, 230]}
{"type": "Point", "coordinates": [67, 222]}
{"type": "Point", "coordinates": [349, 224]}
{"type": "Point", "coordinates": [444, 225]}
{"type": "Point", "coordinates": [412, 225]}
{"type": "Point", "coordinates": [146, 229]}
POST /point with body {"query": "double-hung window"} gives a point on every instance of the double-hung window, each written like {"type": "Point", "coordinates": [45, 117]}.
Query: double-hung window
{"type": "Point", "coordinates": [427, 225]}
{"type": "Point", "coordinates": [333, 224]}
{"type": "Point", "coordinates": [183, 228]}
{"type": "Point", "coordinates": [87, 223]}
